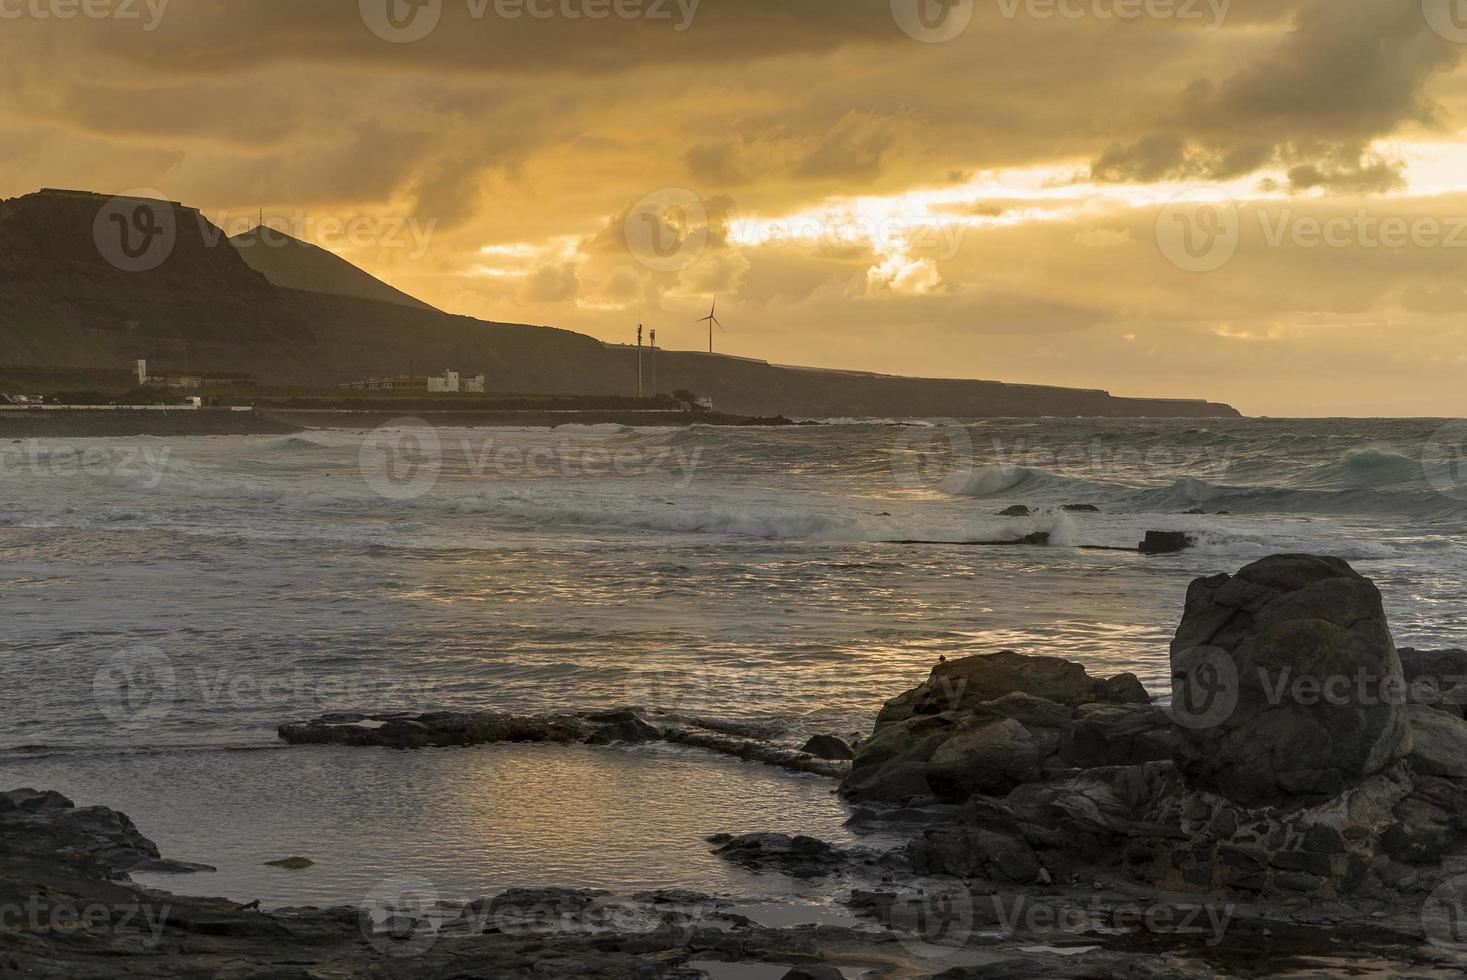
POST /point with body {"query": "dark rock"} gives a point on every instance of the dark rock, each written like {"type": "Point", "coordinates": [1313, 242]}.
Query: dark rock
{"type": "Point", "coordinates": [438, 729]}
{"type": "Point", "coordinates": [985, 756]}
{"type": "Point", "coordinates": [33, 801]}
{"type": "Point", "coordinates": [816, 971]}
{"type": "Point", "coordinates": [623, 726]}
{"type": "Point", "coordinates": [1125, 689]}
{"type": "Point", "coordinates": [797, 856]}
{"type": "Point", "coordinates": [1437, 678]}
{"type": "Point", "coordinates": [1268, 668]}
{"type": "Point", "coordinates": [47, 825]}
{"type": "Point", "coordinates": [1081, 508]}
{"type": "Point", "coordinates": [1438, 742]}
{"type": "Point", "coordinates": [973, 680]}
{"type": "Point", "coordinates": [1165, 542]}
{"type": "Point", "coordinates": [829, 747]}
{"type": "Point", "coordinates": [163, 866]}
{"type": "Point", "coordinates": [1421, 834]}
{"type": "Point", "coordinates": [1323, 839]}
{"type": "Point", "coordinates": [1117, 735]}
{"type": "Point", "coordinates": [1018, 510]}
{"type": "Point", "coordinates": [966, 851]}
{"type": "Point", "coordinates": [1298, 881]}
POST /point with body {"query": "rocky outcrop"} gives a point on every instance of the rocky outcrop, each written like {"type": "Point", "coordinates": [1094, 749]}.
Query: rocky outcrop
{"type": "Point", "coordinates": [35, 824]}
{"type": "Point", "coordinates": [1288, 687]}
{"type": "Point", "coordinates": [1297, 760]}
{"type": "Point", "coordinates": [986, 724]}
{"type": "Point", "coordinates": [623, 726]}
{"type": "Point", "coordinates": [1165, 542]}
{"type": "Point", "coordinates": [795, 855]}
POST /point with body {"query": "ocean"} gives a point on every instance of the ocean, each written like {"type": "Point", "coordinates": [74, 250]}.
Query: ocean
{"type": "Point", "coordinates": [169, 602]}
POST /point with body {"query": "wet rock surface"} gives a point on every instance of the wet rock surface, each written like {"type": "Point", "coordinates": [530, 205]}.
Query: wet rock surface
{"type": "Point", "coordinates": [991, 723]}
{"type": "Point", "coordinates": [1288, 682]}
{"type": "Point", "coordinates": [622, 726]}
{"type": "Point", "coordinates": [42, 825]}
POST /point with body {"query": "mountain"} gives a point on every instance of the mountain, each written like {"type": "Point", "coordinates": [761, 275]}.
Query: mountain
{"type": "Point", "coordinates": [293, 264]}
{"type": "Point", "coordinates": [92, 282]}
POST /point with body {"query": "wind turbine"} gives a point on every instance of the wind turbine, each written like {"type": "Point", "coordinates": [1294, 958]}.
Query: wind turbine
{"type": "Point", "coordinates": [712, 320]}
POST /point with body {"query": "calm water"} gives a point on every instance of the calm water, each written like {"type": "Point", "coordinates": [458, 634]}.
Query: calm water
{"type": "Point", "coordinates": [193, 594]}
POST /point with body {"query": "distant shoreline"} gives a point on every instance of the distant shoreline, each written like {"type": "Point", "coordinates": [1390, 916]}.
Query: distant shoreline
{"type": "Point", "coordinates": [217, 422]}
{"type": "Point", "coordinates": [535, 419]}
{"type": "Point", "coordinates": [82, 424]}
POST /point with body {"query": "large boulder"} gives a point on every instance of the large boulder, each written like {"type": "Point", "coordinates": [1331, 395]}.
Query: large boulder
{"type": "Point", "coordinates": [1287, 688]}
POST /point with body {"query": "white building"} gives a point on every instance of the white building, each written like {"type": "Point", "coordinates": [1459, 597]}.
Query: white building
{"type": "Point", "coordinates": [451, 382]}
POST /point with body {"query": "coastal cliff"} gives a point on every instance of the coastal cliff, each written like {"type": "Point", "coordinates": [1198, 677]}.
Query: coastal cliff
{"type": "Point", "coordinates": [202, 303]}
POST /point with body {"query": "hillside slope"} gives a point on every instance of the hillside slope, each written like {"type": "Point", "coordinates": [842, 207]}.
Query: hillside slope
{"type": "Point", "coordinates": [293, 264]}
{"type": "Point", "coordinates": [68, 300]}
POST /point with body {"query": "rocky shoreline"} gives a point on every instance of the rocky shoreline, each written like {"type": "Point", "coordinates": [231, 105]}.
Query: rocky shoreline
{"type": "Point", "coordinates": [1300, 809]}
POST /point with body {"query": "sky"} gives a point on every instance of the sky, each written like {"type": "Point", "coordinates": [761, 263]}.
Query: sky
{"type": "Point", "coordinates": [1262, 202]}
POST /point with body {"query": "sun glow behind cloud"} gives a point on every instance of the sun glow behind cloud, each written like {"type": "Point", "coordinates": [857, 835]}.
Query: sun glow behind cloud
{"type": "Point", "coordinates": [986, 206]}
